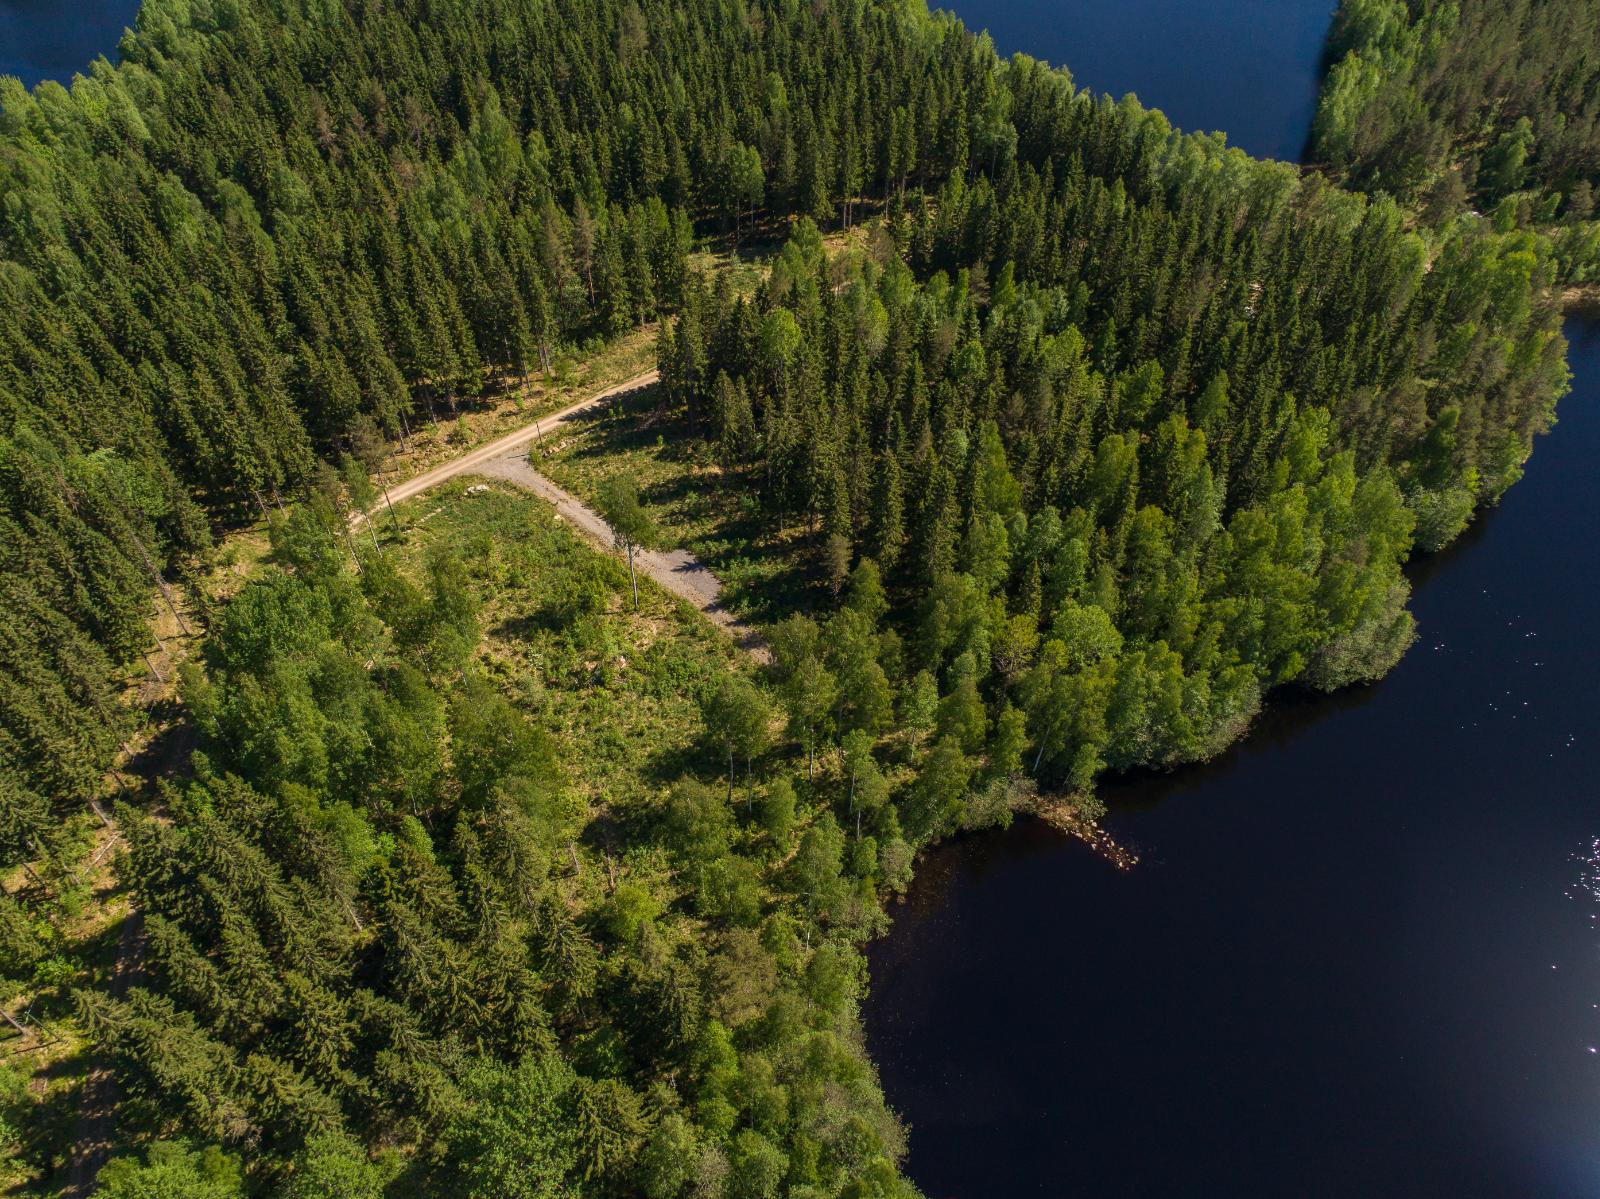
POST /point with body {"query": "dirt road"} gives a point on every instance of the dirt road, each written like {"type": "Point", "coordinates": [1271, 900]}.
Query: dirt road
{"type": "Point", "coordinates": [505, 458]}
{"type": "Point", "coordinates": [515, 440]}
{"type": "Point", "coordinates": [678, 571]}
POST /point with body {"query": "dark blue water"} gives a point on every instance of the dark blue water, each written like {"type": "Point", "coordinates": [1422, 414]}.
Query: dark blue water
{"type": "Point", "coordinates": [1360, 957]}
{"type": "Point", "coordinates": [55, 39]}
{"type": "Point", "coordinates": [1248, 67]}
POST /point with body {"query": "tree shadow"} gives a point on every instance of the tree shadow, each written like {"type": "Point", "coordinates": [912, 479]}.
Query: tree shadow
{"type": "Point", "coordinates": [100, 951]}
{"type": "Point", "coordinates": [166, 755]}
{"type": "Point", "coordinates": [670, 763]}
{"type": "Point", "coordinates": [761, 568]}
{"type": "Point", "coordinates": [553, 617]}
{"type": "Point", "coordinates": [614, 828]}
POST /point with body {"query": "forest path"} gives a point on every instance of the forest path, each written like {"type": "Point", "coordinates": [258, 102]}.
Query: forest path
{"type": "Point", "coordinates": [94, 1131]}
{"type": "Point", "coordinates": [507, 458]}
{"type": "Point", "coordinates": [513, 440]}
{"type": "Point", "coordinates": [678, 571]}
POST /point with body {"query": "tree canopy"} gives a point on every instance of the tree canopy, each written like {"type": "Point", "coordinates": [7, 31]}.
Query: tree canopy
{"type": "Point", "coordinates": [1097, 433]}
{"type": "Point", "coordinates": [1493, 104]}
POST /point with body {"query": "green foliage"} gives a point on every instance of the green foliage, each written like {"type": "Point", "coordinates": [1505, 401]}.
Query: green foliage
{"type": "Point", "coordinates": [1105, 432]}
{"type": "Point", "coordinates": [668, 1161]}
{"type": "Point", "coordinates": [1149, 544]}
{"type": "Point", "coordinates": [173, 1171]}
{"type": "Point", "coordinates": [1483, 103]}
{"type": "Point", "coordinates": [217, 286]}
{"type": "Point", "coordinates": [379, 915]}
{"type": "Point", "coordinates": [935, 802]}
{"type": "Point", "coordinates": [82, 536]}
{"type": "Point", "coordinates": [758, 1167]}
{"type": "Point", "coordinates": [816, 870]}
{"type": "Point", "coordinates": [630, 521]}
{"type": "Point", "coordinates": [329, 267]}
{"type": "Point", "coordinates": [736, 717]}
{"type": "Point", "coordinates": [514, 1133]}
{"type": "Point", "coordinates": [620, 508]}
{"type": "Point", "coordinates": [778, 814]}
{"type": "Point", "coordinates": [337, 1168]}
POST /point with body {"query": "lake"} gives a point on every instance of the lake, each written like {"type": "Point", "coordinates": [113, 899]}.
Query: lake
{"type": "Point", "coordinates": [1248, 67]}
{"type": "Point", "coordinates": [1360, 955]}
{"type": "Point", "coordinates": [53, 39]}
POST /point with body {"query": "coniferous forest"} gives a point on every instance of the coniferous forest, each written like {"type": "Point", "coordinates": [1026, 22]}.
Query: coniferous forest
{"type": "Point", "coordinates": [1485, 104]}
{"type": "Point", "coordinates": [1089, 433]}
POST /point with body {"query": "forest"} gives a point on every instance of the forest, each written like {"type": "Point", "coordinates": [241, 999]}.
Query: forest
{"type": "Point", "coordinates": [373, 924]}
{"type": "Point", "coordinates": [490, 876]}
{"type": "Point", "coordinates": [1492, 105]}
{"type": "Point", "coordinates": [294, 269]}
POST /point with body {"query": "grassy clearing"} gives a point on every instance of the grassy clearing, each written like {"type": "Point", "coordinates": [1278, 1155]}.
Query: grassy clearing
{"type": "Point", "coordinates": [42, 1070]}
{"type": "Point", "coordinates": [767, 571]}
{"type": "Point", "coordinates": [618, 689]}
{"type": "Point", "coordinates": [696, 504]}
{"type": "Point", "coordinates": [513, 401]}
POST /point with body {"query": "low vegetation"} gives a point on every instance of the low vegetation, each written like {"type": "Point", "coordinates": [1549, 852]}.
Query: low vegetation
{"type": "Point", "coordinates": [468, 837]}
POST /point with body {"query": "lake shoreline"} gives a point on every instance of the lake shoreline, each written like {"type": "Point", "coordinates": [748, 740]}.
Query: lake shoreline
{"type": "Point", "coordinates": [1352, 959]}
{"type": "Point", "coordinates": [1582, 301]}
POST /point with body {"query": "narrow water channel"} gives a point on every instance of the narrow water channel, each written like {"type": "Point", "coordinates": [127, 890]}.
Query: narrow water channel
{"type": "Point", "coordinates": [1361, 954]}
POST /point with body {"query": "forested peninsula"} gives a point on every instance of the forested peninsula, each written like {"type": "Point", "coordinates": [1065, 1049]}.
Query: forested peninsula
{"type": "Point", "coordinates": [1046, 441]}
{"type": "Point", "coordinates": [1492, 105]}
